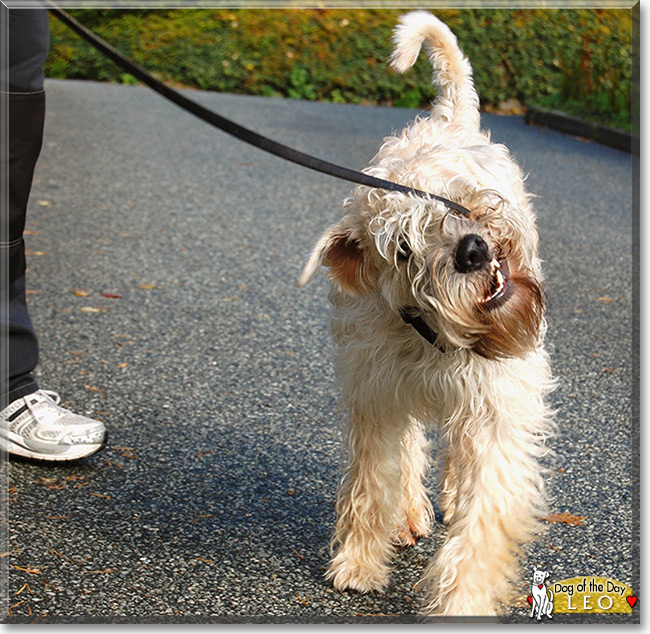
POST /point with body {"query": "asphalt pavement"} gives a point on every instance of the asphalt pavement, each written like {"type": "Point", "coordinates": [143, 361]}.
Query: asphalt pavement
{"type": "Point", "coordinates": [163, 257]}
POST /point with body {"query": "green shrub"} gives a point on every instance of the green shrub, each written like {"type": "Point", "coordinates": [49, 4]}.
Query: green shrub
{"type": "Point", "coordinates": [562, 58]}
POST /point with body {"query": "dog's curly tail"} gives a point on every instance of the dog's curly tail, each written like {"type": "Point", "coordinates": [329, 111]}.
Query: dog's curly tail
{"type": "Point", "coordinates": [452, 72]}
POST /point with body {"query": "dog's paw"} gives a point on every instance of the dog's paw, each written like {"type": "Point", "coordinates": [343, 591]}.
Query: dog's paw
{"type": "Point", "coordinates": [420, 521]}
{"type": "Point", "coordinates": [360, 576]}
{"type": "Point", "coordinates": [416, 516]}
{"type": "Point", "coordinates": [404, 537]}
{"type": "Point", "coordinates": [414, 528]}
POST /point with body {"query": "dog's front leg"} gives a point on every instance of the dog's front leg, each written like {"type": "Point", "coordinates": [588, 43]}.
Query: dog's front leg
{"type": "Point", "coordinates": [369, 501]}
{"type": "Point", "coordinates": [499, 500]}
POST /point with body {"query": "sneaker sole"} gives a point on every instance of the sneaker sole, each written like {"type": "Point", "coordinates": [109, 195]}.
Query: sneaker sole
{"type": "Point", "coordinates": [74, 452]}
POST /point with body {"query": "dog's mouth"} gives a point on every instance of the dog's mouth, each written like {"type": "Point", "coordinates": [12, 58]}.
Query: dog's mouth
{"type": "Point", "coordinates": [500, 287]}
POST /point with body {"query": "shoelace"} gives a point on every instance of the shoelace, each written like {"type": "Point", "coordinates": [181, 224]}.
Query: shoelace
{"type": "Point", "coordinates": [53, 398]}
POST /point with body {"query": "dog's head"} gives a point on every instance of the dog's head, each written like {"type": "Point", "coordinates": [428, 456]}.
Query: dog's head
{"type": "Point", "coordinates": [539, 576]}
{"type": "Point", "coordinates": [473, 280]}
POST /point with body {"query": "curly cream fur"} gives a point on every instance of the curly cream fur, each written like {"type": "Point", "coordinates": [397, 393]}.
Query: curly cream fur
{"type": "Point", "coordinates": [483, 384]}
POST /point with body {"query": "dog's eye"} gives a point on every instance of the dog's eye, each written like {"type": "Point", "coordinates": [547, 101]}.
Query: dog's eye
{"type": "Point", "coordinates": [403, 251]}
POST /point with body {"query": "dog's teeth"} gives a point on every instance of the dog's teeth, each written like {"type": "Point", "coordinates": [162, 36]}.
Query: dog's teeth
{"type": "Point", "coordinates": [499, 279]}
{"type": "Point", "coordinates": [500, 284]}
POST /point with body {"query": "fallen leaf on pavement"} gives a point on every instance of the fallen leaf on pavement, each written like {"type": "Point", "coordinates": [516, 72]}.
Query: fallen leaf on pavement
{"type": "Point", "coordinates": [92, 309]}
{"type": "Point", "coordinates": [32, 571]}
{"type": "Point", "coordinates": [90, 388]}
{"type": "Point", "coordinates": [565, 518]}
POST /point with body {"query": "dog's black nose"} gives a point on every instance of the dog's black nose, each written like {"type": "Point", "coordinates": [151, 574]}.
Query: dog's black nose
{"type": "Point", "coordinates": [472, 254]}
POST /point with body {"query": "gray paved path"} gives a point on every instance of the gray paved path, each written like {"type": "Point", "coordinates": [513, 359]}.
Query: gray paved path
{"type": "Point", "coordinates": [212, 370]}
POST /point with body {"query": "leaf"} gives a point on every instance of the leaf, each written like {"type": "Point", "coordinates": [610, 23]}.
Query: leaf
{"type": "Point", "coordinates": [112, 464]}
{"type": "Point", "coordinates": [33, 571]}
{"type": "Point", "coordinates": [148, 287]}
{"type": "Point", "coordinates": [565, 518]}
{"type": "Point", "coordinates": [81, 293]}
{"type": "Point", "coordinates": [25, 587]}
{"type": "Point", "coordinates": [112, 296]}
{"type": "Point", "coordinates": [90, 388]}
{"type": "Point", "coordinates": [209, 561]}
{"type": "Point", "coordinates": [92, 309]}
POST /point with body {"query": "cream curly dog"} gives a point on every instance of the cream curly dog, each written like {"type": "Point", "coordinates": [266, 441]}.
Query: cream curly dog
{"type": "Point", "coordinates": [439, 320]}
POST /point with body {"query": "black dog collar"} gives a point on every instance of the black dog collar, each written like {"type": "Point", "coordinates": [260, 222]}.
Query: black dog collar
{"type": "Point", "coordinates": [411, 316]}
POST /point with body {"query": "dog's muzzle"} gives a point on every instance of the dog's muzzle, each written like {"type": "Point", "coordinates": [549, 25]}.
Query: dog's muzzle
{"type": "Point", "coordinates": [472, 254]}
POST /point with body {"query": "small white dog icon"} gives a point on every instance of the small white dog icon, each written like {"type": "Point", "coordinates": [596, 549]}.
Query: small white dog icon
{"type": "Point", "coordinates": [542, 597]}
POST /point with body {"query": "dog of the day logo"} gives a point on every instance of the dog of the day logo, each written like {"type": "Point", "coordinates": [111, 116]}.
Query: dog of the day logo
{"type": "Point", "coordinates": [579, 595]}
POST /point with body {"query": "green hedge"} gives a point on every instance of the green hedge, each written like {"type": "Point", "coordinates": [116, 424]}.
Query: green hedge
{"type": "Point", "coordinates": [579, 60]}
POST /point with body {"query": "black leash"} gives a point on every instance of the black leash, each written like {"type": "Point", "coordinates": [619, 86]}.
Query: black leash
{"type": "Point", "coordinates": [236, 130]}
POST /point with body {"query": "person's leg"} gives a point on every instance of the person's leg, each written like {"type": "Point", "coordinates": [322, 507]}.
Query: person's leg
{"type": "Point", "coordinates": [26, 116]}
{"type": "Point", "coordinates": [29, 44]}
{"type": "Point", "coordinates": [28, 47]}
{"type": "Point", "coordinates": [32, 423]}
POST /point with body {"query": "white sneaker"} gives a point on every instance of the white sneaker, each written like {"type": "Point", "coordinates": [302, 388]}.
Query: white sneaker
{"type": "Point", "coordinates": [35, 426]}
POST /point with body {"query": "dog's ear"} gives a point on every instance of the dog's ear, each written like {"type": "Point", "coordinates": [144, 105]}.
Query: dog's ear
{"type": "Point", "coordinates": [344, 255]}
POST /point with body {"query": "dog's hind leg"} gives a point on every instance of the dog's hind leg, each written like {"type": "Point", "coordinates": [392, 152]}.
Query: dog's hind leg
{"type": "Point", "coordinates": [368, 505]}
{"type": "Point", "coordinates": [447, 499]}
{"type": "Point", "coordinates": [417, 511]}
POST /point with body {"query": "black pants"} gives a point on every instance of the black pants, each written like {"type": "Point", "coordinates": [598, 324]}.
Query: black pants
{"type": "Point", "coordinates": [23, 88]}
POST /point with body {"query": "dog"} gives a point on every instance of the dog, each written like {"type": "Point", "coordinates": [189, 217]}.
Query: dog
{"type": "Point", "coordinates": [439, 320]}
{"type": "Point", "coordinates": [542, 597]}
